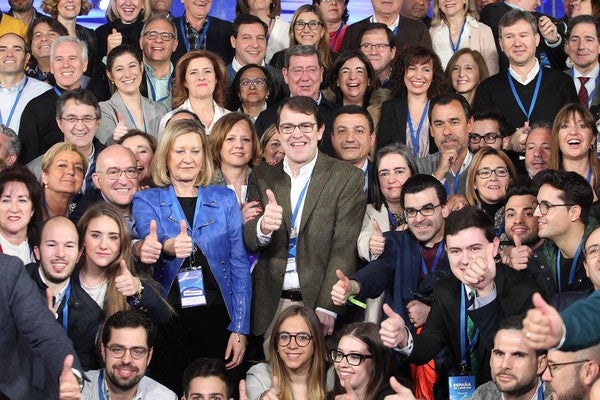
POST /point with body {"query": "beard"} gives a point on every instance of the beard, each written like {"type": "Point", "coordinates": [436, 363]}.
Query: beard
{"type": "Point", "coordinates": [576, 392]}
{"type": "Point", "coordinates": [120, 383]}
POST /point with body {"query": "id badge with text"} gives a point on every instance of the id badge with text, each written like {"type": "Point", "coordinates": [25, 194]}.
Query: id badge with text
{"type": "Point", "coordinates": [191, 288]}
{"type": "Point", "coordinates": [461, 386]}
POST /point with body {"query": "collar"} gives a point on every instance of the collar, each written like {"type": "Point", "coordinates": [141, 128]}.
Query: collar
{"type": "Point", "coordinates": [16, 87]}
{"type": "Point", "coordinates": [593, 74]}
{"type": "Point", "coordinates": [365, 167]}
{"type": "Point", "coordinates": [236, 65]}
{"type": "Point", "coordinates": [530, 75]}
{"type": "Point", "coordinates": [150, 71]}
{"type": "Point", "coordinates": [305, 171]}
{"type": "Point", "coordinates": [393, 26]}
{"type": "Point", "coordinates": [58, 295]}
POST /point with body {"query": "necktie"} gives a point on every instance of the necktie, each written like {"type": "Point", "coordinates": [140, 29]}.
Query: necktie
{"type": "Point", "coordinates": [583, 93]}
{"type": "Point", "coordinates": [471, 330]}
{"type": "Point", "coordinates": [89, 183]}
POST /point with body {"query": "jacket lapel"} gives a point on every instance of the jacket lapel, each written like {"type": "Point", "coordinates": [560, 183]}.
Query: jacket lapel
{"type": "Point", "coordinates": [318, 180]}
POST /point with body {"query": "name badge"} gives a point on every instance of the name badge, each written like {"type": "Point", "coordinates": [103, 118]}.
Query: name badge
{"type": "Point", "coordinates": [461, 386]}
{"type": "Point", "coordinates": [191, 288]}
{"type": "Point", "coordinates": [292, 247]}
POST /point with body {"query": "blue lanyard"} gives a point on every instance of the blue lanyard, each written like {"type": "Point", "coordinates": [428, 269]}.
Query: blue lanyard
{"type": "Point", "coordinates": [100, 381]}
{"type": "Point", "coordinates": [573, 265]}
{"type": "Point", "coordinates": [232, 70]}
{"type": "Point", "coordinates": [591, 95]}
{"type": "Point", "coordinates": [540, 392]}
{"type": "Point", "coordinates": [153, 93]}
{"type": "Point", "coordinates": [12, 110]}
{"type": "Point", "coordinates": [535, 93]}
{"type": "Point", "coordinates": [456, 182]}
{"type": "Point", "coordinates": [396, 28]}
{"type": "Point", "coordinates": [436, 259]}
{"type": "Point", "coordinates": [464, 350]}
{"type": "Point", "coordinates": [589, 177]}
{"type": "Point", "coordinates": [178, 211]}
{"type": "Point", "coordinates": [65, 311]}
{"type": "Point", "coordinates": [297, 208]}
{"type": "Point", "coordinates": [201, 39]}
{"type": "Point", "coordinates": [414, 136]}
{"type": "Point", "coordinates": [500, 228]}
{"type": "Point", "coordinates": [133, 120]}
{"type": "Point", "coordinates": [457, 46]}
{"type": "Point", "coordinates": [58, 93]}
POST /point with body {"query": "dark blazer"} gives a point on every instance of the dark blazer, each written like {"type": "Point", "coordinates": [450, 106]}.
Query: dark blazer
{"type": "Point", "coordinates": [217, 39]}
{"type": "Point", "coordinates": [410, 33]}
{"type": "Point", "coordinates": [582, 323]}
{"type": "Point", "coordinates": [327, 108]}
{"type": "Point", "coordinates": [131, 35]}
{"type": "Point", "coordinates": [331, 220]}
{"type": "Point", "coordinates": [442, 328]}
{"type": "Point", "coordinates": [32, 345]}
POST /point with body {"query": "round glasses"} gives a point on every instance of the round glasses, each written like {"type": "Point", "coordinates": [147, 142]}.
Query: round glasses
{"type": "Point", "coordinates": [545, 207]}
{"type": "Point", "coordinates": [302, 339]}
{"type": "Point", "coordinates": [354, 359]}
{"type": "Point", "coordinates": [118, 351]}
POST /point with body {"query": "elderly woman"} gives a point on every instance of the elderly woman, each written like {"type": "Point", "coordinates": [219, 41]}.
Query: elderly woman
{"type": "Point", "coordinates": [203, 268]}
{"type": "Point", "coordinates": [200, 87]}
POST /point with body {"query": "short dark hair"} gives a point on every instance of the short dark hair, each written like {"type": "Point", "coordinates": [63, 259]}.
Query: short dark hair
{"type": "Point", "coordinates": [543, 124]}
{"type": "Point", "coordinates": [302, 104]}
{"type": "Point", "coordinates": [247, 19]}
{"type": "Point", "coordinates": [420, 182]}
{"type": "Point", "coordinates": [301, 51]}
{"type": "Point", "coordinates": [514, 322]}
{"type": "Point", "coordinates": [121, 50]}
{"type": "Point", "coordinates": [129, 319]}
{"type": "Point", "coordinates": [205, 367]}
{"type": "Point", "coordinates": [52, 23]}
{"type": "Point", "coordinates": [447, 98]}
{"type": "Point", "coordinates": [375, 26]}
{"type": "Point", "coordinates": [354, 109]}
{"type": "Point", "coordinates": [583, 19]}
{"type": "Point", "coordinates": [514, 16]}
{"type": "Point", "coordinates": [392, 148]}
{"type": "Point", "coordinates": [574, 188]}
{"type": "Point", "coordinates": [522, 186]}
{"type": "Point", "coordinates": [373, 80]}
{"type": "Point", "coordinates": [82, 96]}
{"type": "Point", "coordinates": [495, 115]}
{"type": "Point", "coordinates": [469, 217]}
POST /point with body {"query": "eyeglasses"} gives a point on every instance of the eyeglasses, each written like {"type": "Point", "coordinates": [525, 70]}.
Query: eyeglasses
{"type": "Point", "coordinates": [332, 1]}
{"type": "Point", "coordinates": [118, 351]}
{"type": "Point", "coordinates": [545, 207]}
{"type": "Point", "coordinates": [552, 367]}
{"type": "Point", "coordinates": [366, 47]}
{"type": "Point", "coordinates": [489, 137]}
{"type": "Point", "coordinates": [304, 127]}
{"type": "Point", "coordinates": [86, 119]}
{"type": "Point", "coordinates": [115, 173]}
{"type": "Point", "coordinates": [426, 211]}
{"type": "Point", "coordinates": [285, 338]}
{"type": "Point", "coordinates": [153, 35]}
{"type": "Point", "coordinates": [300, 71]}
{"type": "Point", "coordinates": [354, 359]}
{"type": "Point", "coordinates": [592, 252]}
{"type": "Point", "coordinates": [256, 82]}
{"type": "Point", "coordinates": [313, 25]}
{"type": "Point", "coordinates": [485, 173]}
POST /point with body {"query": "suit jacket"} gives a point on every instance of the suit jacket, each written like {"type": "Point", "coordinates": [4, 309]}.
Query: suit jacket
{"type": "Point", "coordinates": [32, 345]}
{"type": "Point", "coordinates": [327, 108]}
{"type": "Point", "coordinates": [582, 324]}
{"type": "Point", "coordinates": [152, 110]}
{"type": "Point", "coordinates": [217, 39]}
{"type": "Point", "coordinates": [331, 218]}
{"type": "Point", "coordinates": [410, 33]}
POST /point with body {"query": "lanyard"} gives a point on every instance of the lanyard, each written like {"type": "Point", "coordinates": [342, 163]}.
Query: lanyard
{"type": "Point", "coordinates": [58, 93]}
{"type": "Point", "coordinates": [133, 120]}
{"type": "Point", "coordinates": [457, 46]}
{"type": "Point", "coordinates": [297, 208]}
{"type": "Point", "coordinates": [535, 93]}
{"type": "Point", "coordinates": [396, 28]}
{"type": "Point", "coordinates": [231, 70]}
{"type": "Point", "coordinates": [12, 110]}
{"type": "Point", "coordinates": [65, 311]}
{"type": "Point", "coordinates": [456, 181]}
{"type": "Point", "coordinates": [464, 350]}
{"type": "Point", "coordinates": [589, 177]}
{"type": "Point", "coordinates": [591, 95]}
{"type": "Point", "coordinates": [540, 392]}
{"type": "Point", "coordinates": [178, 211]}
{"type": "Point", "coordinates": [153, 93]}
{"type": "Point", "coordinates": [500, 228]}
{"type": "Point", "coordinates": [414, 136]}
{"type": "Point", "coordinates": [201, 38]}
{"type": "Point", "coordinates": [573, 264]}
{"type": "Point", "coordinates": [100, 382]}
{"type": "Point", "coordinates": [436, 260]}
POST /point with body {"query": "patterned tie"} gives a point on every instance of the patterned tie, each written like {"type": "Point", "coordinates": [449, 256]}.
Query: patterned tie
{"type": "Point", "coordinates": [89, 183]}
{"type": "Point", "coordinates": [471, 330]}
{"type": "Point", "coordinates": [583, 93]}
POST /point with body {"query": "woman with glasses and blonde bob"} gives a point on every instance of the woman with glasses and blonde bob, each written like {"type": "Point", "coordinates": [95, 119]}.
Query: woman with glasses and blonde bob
{"type": "Point", "coordinates": [362, 364]}
{"type": "Point", "coordinates": [297, 362]}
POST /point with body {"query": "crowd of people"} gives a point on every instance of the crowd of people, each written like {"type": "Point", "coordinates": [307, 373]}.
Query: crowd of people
{"type": "Point", "coordinates": [269, 210]}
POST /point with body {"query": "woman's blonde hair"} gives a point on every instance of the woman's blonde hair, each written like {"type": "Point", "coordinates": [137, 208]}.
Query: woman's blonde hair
{"type": "Point", "coordinates": [160, 171]}
{"type": "Point", "coordinates": [219, 132]}
{"type": "Point", "coordinates": [471, 192]}
{"type": "Point", "coordinates": [112, 14]}
{"type": "Point", "coordinates": [439, 16]}
{"type": "Point", "coordinates": [323, 45]}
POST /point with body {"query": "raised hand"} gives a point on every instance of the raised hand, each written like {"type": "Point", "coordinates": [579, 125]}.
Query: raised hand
{"type": "Point", "coordinates": [480, 272]}
{"type": "Point", "coordinates": [377, 241]}
{"type": "Point", "coordinates": [68, 383]}
{"type": "Point", "coordinates": [327, 322]}
{"type": "Point", "coordinates": [519, 255]}
{"type": "Point", "coordinates": [393, 329]}
{"type": "Point", "coordinates": [183, 244]}
{"type": "Point", "coordinates": [341, 290]}
{"type": "Point", "coordinates": [273, 392]}
{"type": "Point", "coordinates": [126, 283]}
{"type": "Point", "coordinates": [417, 312]}
{"type": "Point", "coordinates": [121, 129]}
{"type": "Point", "coordinates": [447, 158]}
{"type": "Point", "coordinates": [543, 325]}
{"type": "Point", "coordinates": [113, 40]}
{"type": "Point", "coordinates": [151, 247]}
{"type": "Point", "coordinates": [273, 215]}
{"type": "Point", "coordinates": [350, 393]}
{"type": "Point", "coordinates": [402, 392]}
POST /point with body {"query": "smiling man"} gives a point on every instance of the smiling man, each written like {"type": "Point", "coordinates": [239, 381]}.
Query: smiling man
{"type": "Point", "coordinates": [537, 147]}
{"type": "Point", "coordinates": [378, 44]}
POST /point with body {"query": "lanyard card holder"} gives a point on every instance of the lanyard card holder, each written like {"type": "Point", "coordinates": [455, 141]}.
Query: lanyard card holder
{"type": "Point", "coordinates": [461, 386]}
{"type": "Point", "coordinates": [191, 287]}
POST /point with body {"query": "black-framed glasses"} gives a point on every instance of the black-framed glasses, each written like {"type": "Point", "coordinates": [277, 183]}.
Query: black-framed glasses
{"type": "Point", "coordinates": [545, 206]}
{"type": "Point", "coordinates": [354, 359]}
{"type": "Point", "coordinates": [552, 367]}
{"type": "Point", "coordinates": [302, 339]}
{"type": "Point", "coordinates": [488, 138]}
{"type": "Point", "coordinates": [485, 173]}
{"type": "Point", "coordinates": [118, 351]}
{"type": "Point", "coordinates": [115, 173]}
{"type": "Point", "coordinates": [366, 47]}
{"type": "Point", "coordinates": [304, 127]}
{"type": "Point", "coordinates": [312, 24]}
{"type": "Point", "coordinates": [246, 82]}
{"type": "Point", "coordinates": [427, 211]}
{"type": "Point", "coordinates": [86, 119]}
{"type": "Point", "coordinates": [153, 35]}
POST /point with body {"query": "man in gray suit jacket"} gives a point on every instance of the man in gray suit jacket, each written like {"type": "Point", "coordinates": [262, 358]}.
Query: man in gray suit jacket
{"type": "Point", "coordinates": [33, 346]}
{"type": "Point", "coordinates": [313, 210]}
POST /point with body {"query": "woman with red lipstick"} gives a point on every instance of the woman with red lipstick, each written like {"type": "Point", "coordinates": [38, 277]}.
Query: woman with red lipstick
{"type": "Point", "coordinates": [466, 70]}
{"type": "Point", "coordinates": [296, 357]}
{"type": "Point", "coordinates": [20, 213]}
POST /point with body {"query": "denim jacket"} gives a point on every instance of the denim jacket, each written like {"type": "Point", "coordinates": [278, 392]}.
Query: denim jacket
{"type": "Point", "coordinates": [217, 230]}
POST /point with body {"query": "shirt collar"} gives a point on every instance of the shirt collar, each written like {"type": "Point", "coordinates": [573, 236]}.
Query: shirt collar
{"type": "Point", "coordinates": [593, 74]}
{"type": "Point", "coordinates": [150, 71]}
{"type": "Point", "coordinates": [236, 65]}
{"type": "Point", "coordinates": [58, 295]}
{"type": "Point", "coordinates": [530, 75]}
{"type": "Point", "coordinates": [18, 86]}
{"type": "Point", "coordinates": [305, 171]}
{"type": "Point", "coordinates": [393, 26]}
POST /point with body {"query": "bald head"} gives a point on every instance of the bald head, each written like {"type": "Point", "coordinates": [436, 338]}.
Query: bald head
{"type": "Point", "coordinates": [116, 175]}
{"type": "Point", "coordinates": [58, 251]}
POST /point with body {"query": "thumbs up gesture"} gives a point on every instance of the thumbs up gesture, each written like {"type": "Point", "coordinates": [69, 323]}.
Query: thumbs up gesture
{"type": "Point", "coordinates": [393, 330]}
{"type": "Point", "coordinates": [183, 242]}
{"type": "Point", "coordinates": [126, 283]}
{"type": "Point", "coordinates": [481, 271]}
{"type": "Point", "coordinates": [377, 241]}
{"type": "Point", "coordinates": [543, 325]}
{"type": "Point", "coordinates": [350, 393]}
{"type": "Point", "coordinates": [151, 247]}
{"type": "Point", "coordinates": [121, 129]}
{"type": "Point", "coordinates": [342, 289]}
{"type": "Point", "coordinates": [402, 392]}
{"type": "Point", "coordinates": [273, 215]}
{"type": "Point", "coordinates": [519, 255]}
{"type": "Point", "coordinates": [68, 383]}
{"type": "Point", "coordinates": [113, 40]}
{"type": "Point", "coordinates": [274, 392]}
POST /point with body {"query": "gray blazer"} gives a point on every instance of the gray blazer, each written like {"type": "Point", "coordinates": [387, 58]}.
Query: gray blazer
{"type": "Point", "coordinates": [428, 164]}
{"type": "Point", "coordinates": [153, 112]}
{"type": "Point", "coordinates": [33, 345]}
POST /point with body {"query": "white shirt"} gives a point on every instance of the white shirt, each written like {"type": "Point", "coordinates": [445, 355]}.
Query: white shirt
{"type": "Point", "coordinates": [147, 389]}
{"type": "Point", "coordinates": [392, 27]}
{"type": "Point", "coordinates": [9, 94]}
{"type": "Point", "coordinates": [590, 85]}
{"type": "Point", "coordinates": [22, 250]}
{"type": "Point", "coordinates": [530, 75]}
{"type": "Point", "coordinates": [219, 112]}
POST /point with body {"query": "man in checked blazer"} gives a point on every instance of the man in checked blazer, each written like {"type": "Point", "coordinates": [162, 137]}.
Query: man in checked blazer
{"type": "Point", "coordinates": [313, 207]}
